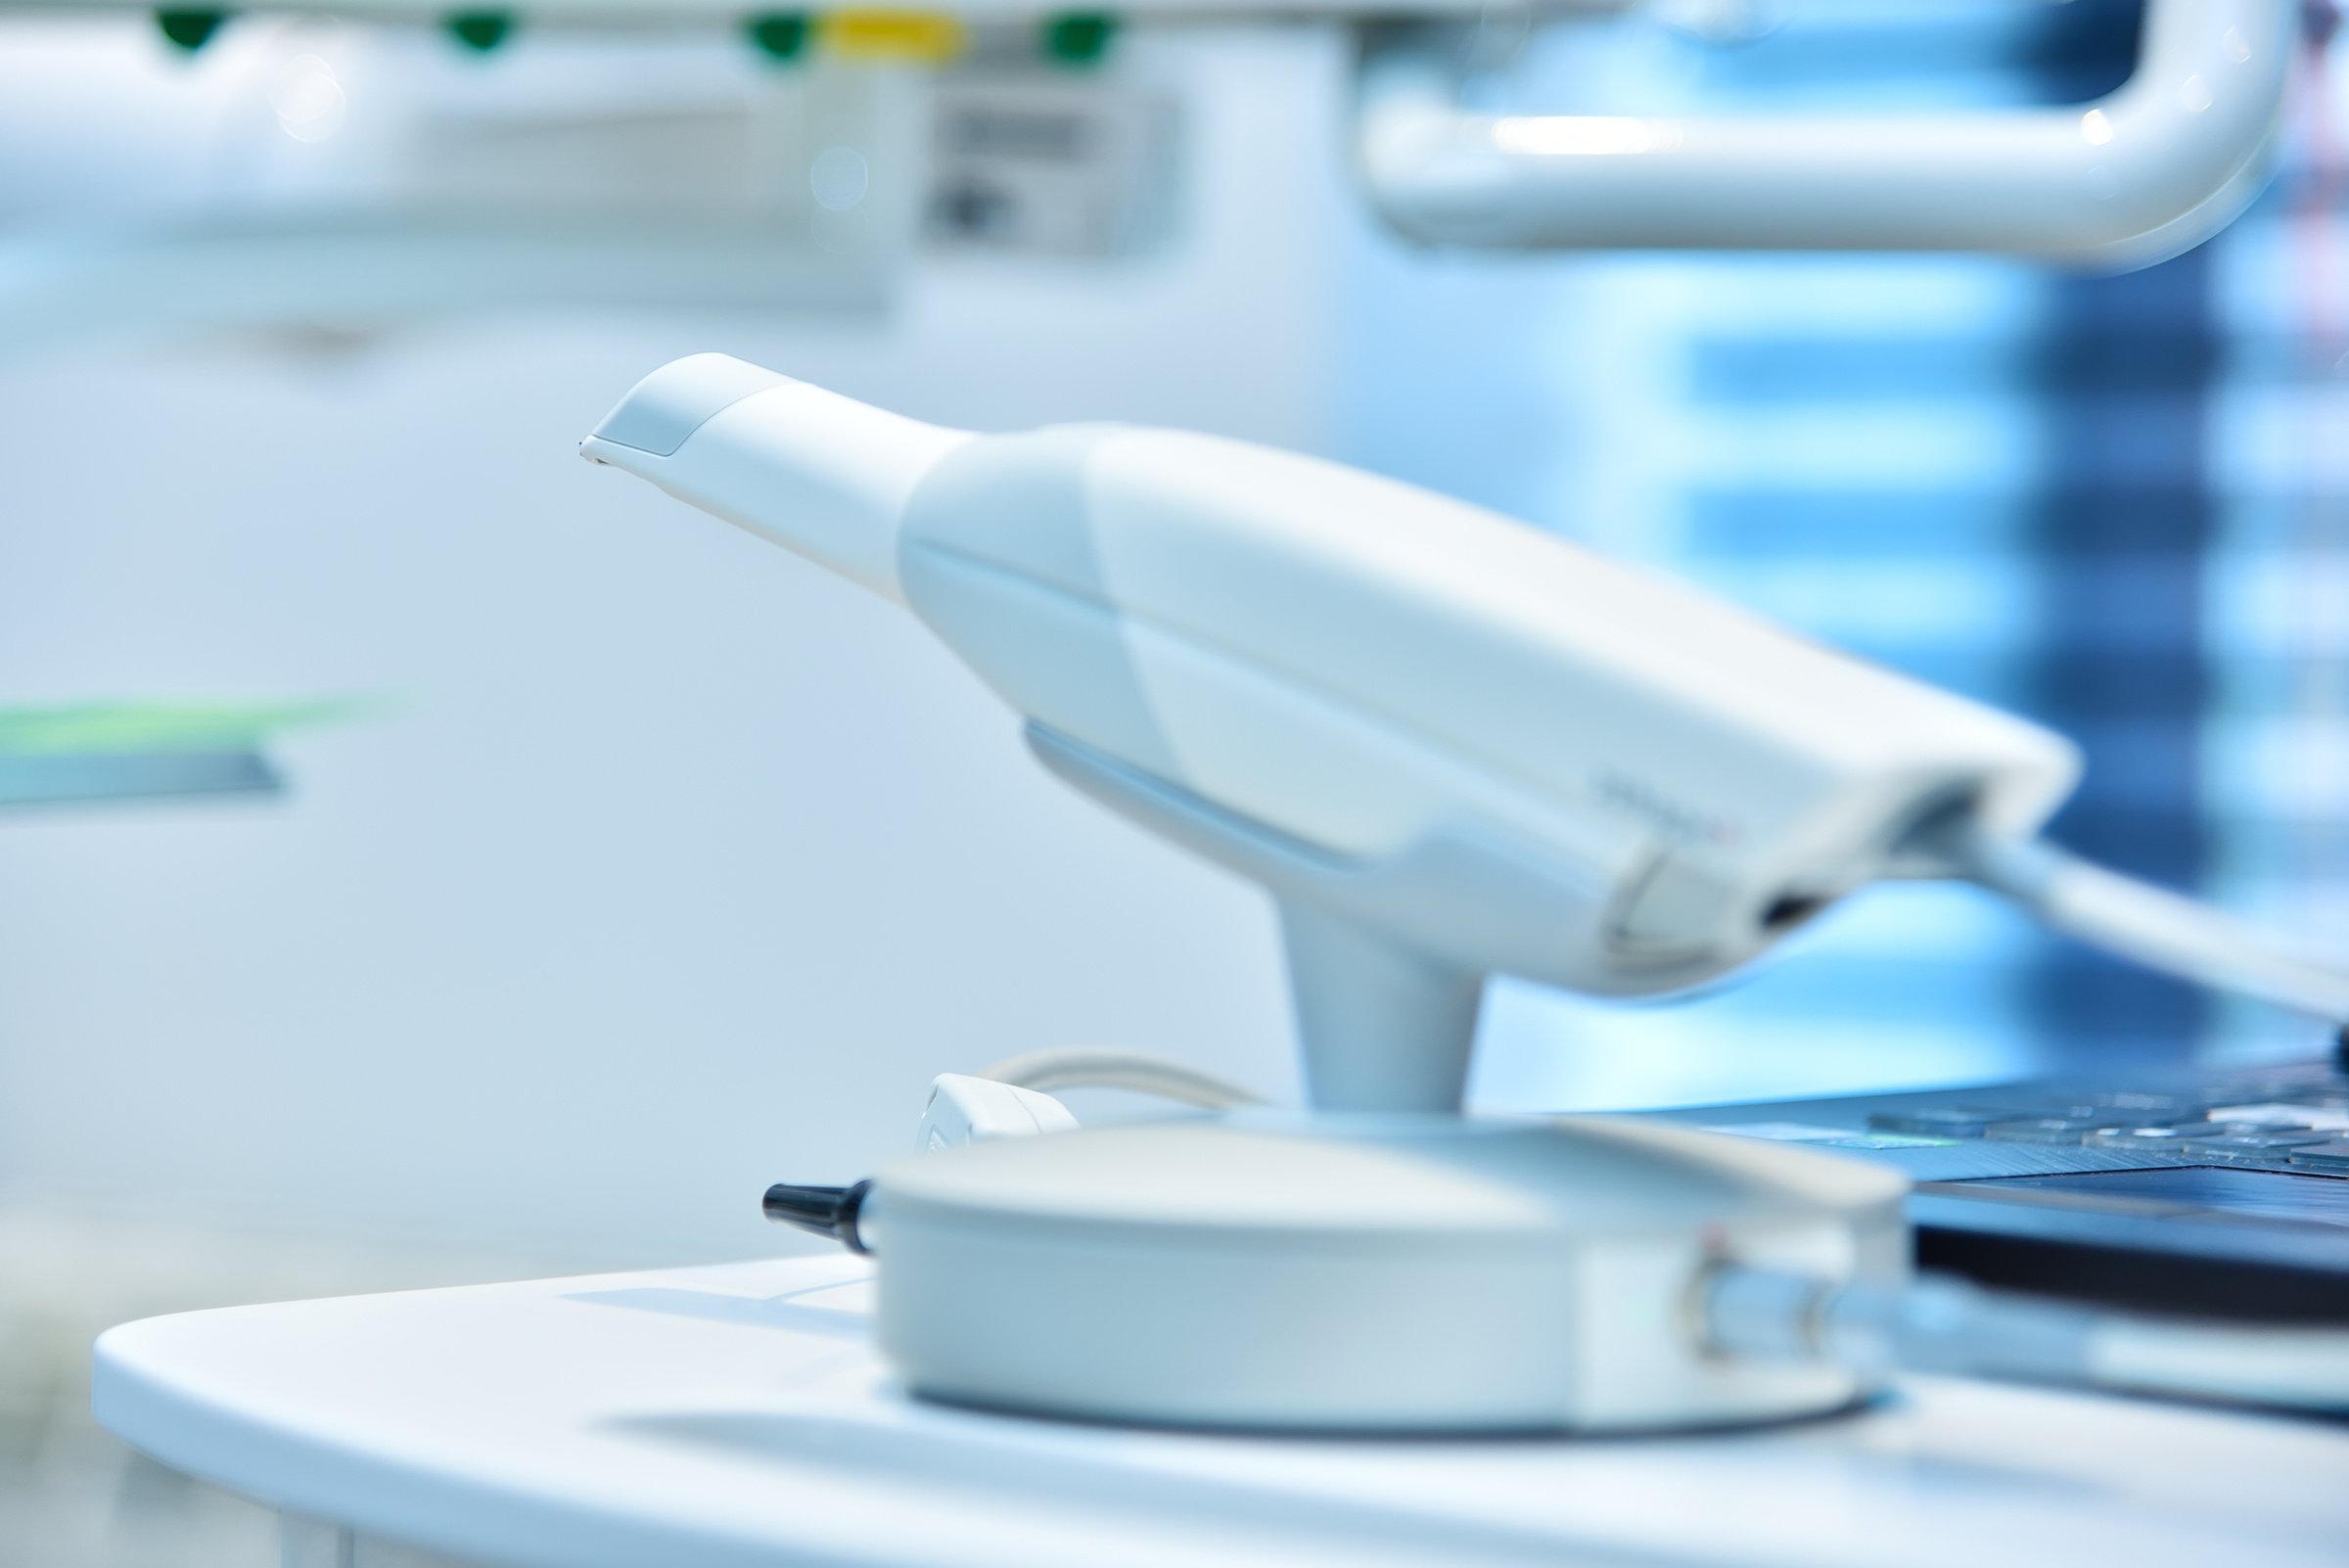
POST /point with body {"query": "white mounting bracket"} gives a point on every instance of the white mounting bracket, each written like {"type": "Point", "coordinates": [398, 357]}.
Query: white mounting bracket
{"type": "Point", "coordinates": [2150, 170]}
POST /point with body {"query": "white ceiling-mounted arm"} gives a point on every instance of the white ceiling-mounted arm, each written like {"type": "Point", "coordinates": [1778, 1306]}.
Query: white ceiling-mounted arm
{"type": "Point", "coordinates": [2150, 170]}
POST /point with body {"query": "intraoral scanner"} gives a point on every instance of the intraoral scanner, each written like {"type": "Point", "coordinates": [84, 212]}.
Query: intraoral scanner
{"type": "Point", "coordinates": [1448, 745]}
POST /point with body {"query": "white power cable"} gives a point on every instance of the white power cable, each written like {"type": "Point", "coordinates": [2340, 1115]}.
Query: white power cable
{"type": "Point", "coordinates": [1945, 1325]}
{"type": "Point", "coordinates": [2137, 920]}
{"type": "Point", "coordinates": [2303, 1367]}
{"type": "Point", "coordinates": [1109, 1067]}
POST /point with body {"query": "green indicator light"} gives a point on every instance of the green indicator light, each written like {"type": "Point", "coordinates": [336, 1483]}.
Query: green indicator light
{"type": "Point", "coordinates": [190, 30]}
{"type": "Point", "coordinates": [779, 34]}
{"type": "Point", "coordinates": [480, 30]}
{"type": "Point", "coordinates": [1080, 38]}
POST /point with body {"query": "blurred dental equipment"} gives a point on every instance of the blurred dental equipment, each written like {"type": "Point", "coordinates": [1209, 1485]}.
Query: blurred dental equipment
{"type": "Point", "coordinates": [300, 175]}
{"type": "Point", "coordinates": [291, 171]}
{"type": "Point", "coordinates": [2152, 168]}
{"type": "Point", "coordinates": [1449, 746]}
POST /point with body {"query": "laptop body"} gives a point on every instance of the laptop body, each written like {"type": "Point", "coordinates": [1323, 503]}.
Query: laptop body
{"type": "Point", "coordinates": [2213, 1192]}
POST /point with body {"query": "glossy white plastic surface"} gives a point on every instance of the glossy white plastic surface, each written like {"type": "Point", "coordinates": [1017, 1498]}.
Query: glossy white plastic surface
{"type": "Point", "coordinates": [1363, 667]}
{"type": "Point", "coordinates": [823, 475]}
{"type": "Point", "coordinates": [962, 1109]}
{"type": "Point", "coordinates": [740, 1415]}
{"type": "Point", "coordinates": [2151, 169]}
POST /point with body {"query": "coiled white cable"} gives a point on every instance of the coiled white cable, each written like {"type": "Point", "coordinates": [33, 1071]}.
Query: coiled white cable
{"type": "Point", "coordinates": [1069, 1067]}
{"type": "Point", "coordinates": [2280, 1365]}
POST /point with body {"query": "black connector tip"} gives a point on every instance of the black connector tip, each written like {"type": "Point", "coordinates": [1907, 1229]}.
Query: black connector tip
{"type": "Point", "coordinates": [825, 1211]}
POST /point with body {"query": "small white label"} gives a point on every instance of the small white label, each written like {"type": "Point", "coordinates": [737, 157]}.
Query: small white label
{"type": "Point", "coordinates": [1049, 163]}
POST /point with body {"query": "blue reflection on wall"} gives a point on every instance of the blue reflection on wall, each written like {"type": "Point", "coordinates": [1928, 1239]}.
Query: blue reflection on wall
{"type": "Point", "coordinates": [1990, 475]}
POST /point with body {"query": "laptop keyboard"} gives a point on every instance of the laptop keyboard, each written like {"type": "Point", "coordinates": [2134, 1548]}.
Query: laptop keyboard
{"type": "Point", "coordinates": [2287, 1119]}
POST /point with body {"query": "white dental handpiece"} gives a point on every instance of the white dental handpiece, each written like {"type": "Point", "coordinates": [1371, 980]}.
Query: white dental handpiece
{"type": "Point", "coordinates": [1355, 663]}
{"type": "Point", "coordinates": [1483, 747]}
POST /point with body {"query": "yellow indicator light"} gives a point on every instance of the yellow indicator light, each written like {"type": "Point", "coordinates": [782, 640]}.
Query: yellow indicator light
{"type": "Point", "coordinates": [922, 36]}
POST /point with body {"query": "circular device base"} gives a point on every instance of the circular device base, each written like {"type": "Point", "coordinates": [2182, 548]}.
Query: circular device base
{"type": "Point", "coordinates": [1387, 1274]}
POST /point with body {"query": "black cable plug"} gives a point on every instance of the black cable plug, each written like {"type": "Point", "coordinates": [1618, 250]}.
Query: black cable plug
{"type": "Point", "coordinates": [826, 1211]}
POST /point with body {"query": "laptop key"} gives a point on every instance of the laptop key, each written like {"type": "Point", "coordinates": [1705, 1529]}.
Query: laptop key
{"type": "Point", "coordinates": [1937, 1120]}
{"type": "Point", "coordinates": [2145, 1105]}
{"type": "Point", "coordinates": [2329, 1158]}
{"type": "Point", "coordinates": [2146, 1140]}
{"type": "Point", "coordinates": [2262, 1146]}
{"type": "Point", "coordinates": [2050, 1129]}
{"type": "Point", "coordinates": [2282, 1115]}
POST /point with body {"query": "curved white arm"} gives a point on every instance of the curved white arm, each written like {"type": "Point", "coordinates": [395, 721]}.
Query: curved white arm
{"type": "Point", "coordinates": [2150, 170]}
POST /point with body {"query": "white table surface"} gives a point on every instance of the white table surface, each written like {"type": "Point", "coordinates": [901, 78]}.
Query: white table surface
{"type": "Point", "coordinates": [738, 1415]}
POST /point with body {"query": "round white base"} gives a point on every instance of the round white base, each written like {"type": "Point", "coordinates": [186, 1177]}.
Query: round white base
{"type": "Point", "coordinates": [1395, 1274]}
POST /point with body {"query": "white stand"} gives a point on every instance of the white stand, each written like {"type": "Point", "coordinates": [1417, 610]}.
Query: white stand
{"type": "Point", "coordinates": [1364, 1273]}
{"type": "Point", "coordinates": [1382, 1263]}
